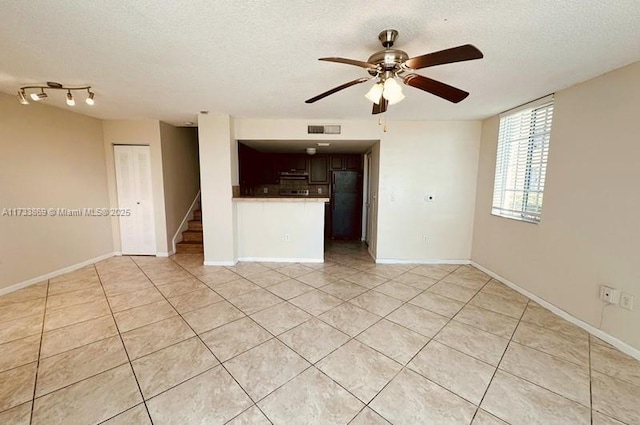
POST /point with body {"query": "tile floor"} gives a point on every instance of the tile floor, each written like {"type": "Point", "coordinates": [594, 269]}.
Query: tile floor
{"type": "Point", "coordinates": [141, 340]}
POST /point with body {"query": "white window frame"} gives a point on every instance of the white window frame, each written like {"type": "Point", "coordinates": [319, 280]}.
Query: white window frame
{"type": "Point", "coordinates": [521, 161]}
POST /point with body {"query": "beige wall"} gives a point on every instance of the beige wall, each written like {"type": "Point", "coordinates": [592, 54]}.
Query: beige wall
{"type": "Point", "coordinates": [415, 158]}
{"type": "Point", "coordinates": [138, 132]}
{"type": "Point", "coordinates": [589, 233]}
{"type": "Point", "coordinates": [181, 174]}
{"type": "Point", "coordinates": [216, 178]}
{"type": "Point", "coordinates": [418, 159]}
{"type": "Point", "coordinates": [374, 183]}
{"type": "Point", "coordinates": [49, 158]}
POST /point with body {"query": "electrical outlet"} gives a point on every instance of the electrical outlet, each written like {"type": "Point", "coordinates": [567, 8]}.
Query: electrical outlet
{"type": "Point", "coordinates": [609, 295]}
{"type": "Point", "coordinates": [287, 237]}
{"type": "Point", "coordinates": [265, 190]}
{"type": "Point", "coordinates": [319, 190]}
{"type": "Point", "coordinates": [424, 239]}
{"type": "Point", "coordinates": [626, 301]}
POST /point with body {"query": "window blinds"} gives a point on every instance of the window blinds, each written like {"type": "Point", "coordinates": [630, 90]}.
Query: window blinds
{"type": "Point", "coordinates": [521, 162]}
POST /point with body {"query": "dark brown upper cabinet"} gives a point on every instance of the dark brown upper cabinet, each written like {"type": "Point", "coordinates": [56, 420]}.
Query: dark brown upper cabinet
{"type": "Point", "coordinates": [294, 163]}
{"type": "Point", "coordinates": [319, 169]}
{"type": "Point", "coordinates": [346, 162]}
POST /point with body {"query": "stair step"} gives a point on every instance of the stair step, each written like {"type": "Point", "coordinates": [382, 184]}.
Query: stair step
{"type": "Point", "coordinates": [192, 236]}
{"type": "Point", "coordinates": [195, 225]}
{"type": "Point", "coordinates": [189, 247]}
{"type": "Point", "coordinates": [197, 215]}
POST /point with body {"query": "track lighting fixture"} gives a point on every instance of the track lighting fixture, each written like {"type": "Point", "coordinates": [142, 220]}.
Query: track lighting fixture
{"type": "Point", "coordinates": [22, 93]}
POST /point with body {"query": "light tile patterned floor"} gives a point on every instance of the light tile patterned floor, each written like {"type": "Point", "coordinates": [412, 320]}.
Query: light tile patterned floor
{"type": "Point", "coordinates": [141, 340]}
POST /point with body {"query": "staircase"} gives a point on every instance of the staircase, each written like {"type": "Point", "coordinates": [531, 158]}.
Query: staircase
{"type": "Point", "coordinates": [192, 242]}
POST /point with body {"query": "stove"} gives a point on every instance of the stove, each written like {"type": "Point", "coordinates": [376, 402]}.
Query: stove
{"type": "Point", "coordinates": [294, 192]}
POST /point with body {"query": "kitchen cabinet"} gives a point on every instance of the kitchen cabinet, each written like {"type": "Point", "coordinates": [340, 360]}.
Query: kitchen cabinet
{"type": "Point", "coordinates": [346, 162]}
{"type": "Point", "coordinates": [319, 170]}
{"type": "Point", "coordinates": [294, 163]}
{"type": "Point", "coordinates": [352, 162]}
{"type": "Point", "coordinates": [267, 168]}
{"type": "Point", "coordinates": [257, 167]}
{"type": "Point", "coordinates": [247, 165]}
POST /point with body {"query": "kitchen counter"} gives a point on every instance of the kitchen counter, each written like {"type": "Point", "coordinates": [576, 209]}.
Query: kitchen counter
{"type": "Point", "coordinates": [281, 229]}
{"type": "Point", "coordinates": [282, 199]}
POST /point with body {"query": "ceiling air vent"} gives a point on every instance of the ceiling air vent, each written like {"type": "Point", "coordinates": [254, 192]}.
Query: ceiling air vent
{"type": "Point", "coordinates": [323, 129]}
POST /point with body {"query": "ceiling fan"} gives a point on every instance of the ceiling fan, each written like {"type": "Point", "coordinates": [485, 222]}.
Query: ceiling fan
{"type": "Point", "coordinates": [388, 64]}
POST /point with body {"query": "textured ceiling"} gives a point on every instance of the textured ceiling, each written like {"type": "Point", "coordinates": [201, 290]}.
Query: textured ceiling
{"type": "Point", "coordinates": [168, 59]}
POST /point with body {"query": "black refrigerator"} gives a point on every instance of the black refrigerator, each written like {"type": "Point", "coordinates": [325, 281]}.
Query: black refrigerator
{"type": "Point", "coordinates": [346, 205]}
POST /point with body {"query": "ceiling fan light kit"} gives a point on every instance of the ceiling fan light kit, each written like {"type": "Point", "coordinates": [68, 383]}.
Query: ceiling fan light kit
{"type": "Point", "coordinates": [42, 95]}
{"type": "Point", "coordinates": [374, 93]}
{"type": "Point", "coordinates": [390, 64]}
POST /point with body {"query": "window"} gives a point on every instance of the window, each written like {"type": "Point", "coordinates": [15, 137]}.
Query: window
{"type": "Point", "coordinates": [521, 163]}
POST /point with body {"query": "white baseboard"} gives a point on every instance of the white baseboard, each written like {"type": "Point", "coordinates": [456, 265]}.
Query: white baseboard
{"type": "Point", "coordinates": [398, 261]}
{"type": "Point", "coordinates": [55, 273]}
{"type": "Point", "coordinates": [220, 263]}
{"type": "Point", "coordinates": [281, 260]}
{"type": "Point", "coordinates": [165, 254]}
{"type": "Point", "coordinates": [620, 345]}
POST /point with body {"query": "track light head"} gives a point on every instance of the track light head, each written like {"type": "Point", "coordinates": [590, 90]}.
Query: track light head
{"type": "Point", "coordinates": [22, 98]}
{"type": "Point", "coordinates": [70, 100]}
{"type": "Point", "coordinates": [39, 96]}
{"type": "Point", "coordinates": [89, 98]}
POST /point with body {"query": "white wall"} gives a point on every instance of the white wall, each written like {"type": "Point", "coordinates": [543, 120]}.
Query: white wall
{"type": "Point", "coordinates": [589, 232]}
{"type": "Point", "coordinates": [181, 174]}
{"type": "Point", "coordinates": [281, 129]}
{"type": "Point", "coordinates": [262, 227]}
{"type": "Point", "coordinates": [49, 158]}
{"type": "Point", "coordinates": [216, 179]}
{"type": "Point", "coordinates": [137, 132]}
{"type": "Point", "coordinates": [416, 158]}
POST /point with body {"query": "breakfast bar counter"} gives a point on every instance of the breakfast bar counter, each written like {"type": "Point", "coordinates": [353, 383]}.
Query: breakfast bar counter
{"type": "Point", "coordinates": [281, 199]}
{"type": "Point", "coordinates": [280, 229]}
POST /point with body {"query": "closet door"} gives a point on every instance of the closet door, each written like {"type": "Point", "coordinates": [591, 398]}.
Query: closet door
{"type": "Point", "coordinates": [133, 183]}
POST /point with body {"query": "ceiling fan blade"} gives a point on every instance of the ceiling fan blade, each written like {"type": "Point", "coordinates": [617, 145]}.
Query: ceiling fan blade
{"type": "Point", "coordinates": [466, 52]}
{"type": "Point", "coordinates": [337, 89]}
{"type": "Point", "coordinates": [354, 62]}
{"type": "Point", "coordinates": [442, 90]}
{"type": "Point", "coordinates": [380, 107]}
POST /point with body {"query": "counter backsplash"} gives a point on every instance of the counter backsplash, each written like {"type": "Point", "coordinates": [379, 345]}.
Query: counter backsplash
{"type": "Point", "coordinates": [315, 190]}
